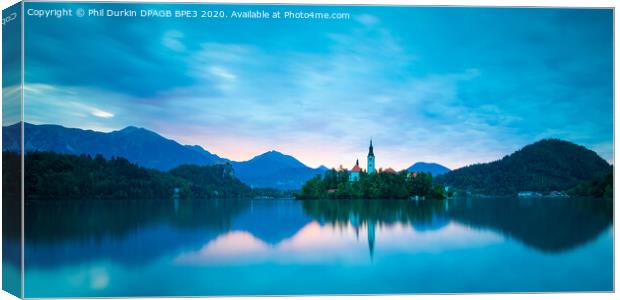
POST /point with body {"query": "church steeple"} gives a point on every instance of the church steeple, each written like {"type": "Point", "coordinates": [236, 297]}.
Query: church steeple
{"type": "Point", "coordinates": [371, 159]}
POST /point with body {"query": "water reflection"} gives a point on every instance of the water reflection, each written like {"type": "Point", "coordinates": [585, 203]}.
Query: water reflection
{"type": "Point", "coordinates": [422, 215]}
{"type": "Point", "coordinates": [118, 248]}
{"type": "Point", "coordinates": [130, 232]}
{"type": "Point", "coordinates": [137, 232]}
{"type": "Point", "coordinates": [545, 224]}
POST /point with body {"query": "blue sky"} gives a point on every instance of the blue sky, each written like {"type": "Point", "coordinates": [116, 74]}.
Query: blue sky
{"type": "Point", "coordinates": [449, 85]}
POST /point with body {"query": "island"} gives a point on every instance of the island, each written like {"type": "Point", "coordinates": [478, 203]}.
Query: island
{"type": "Point", "coordinates": [371, 183]}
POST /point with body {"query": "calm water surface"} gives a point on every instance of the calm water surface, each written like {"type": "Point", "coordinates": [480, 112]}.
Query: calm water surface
{"type": "Point", "coordinates": [256, 247]}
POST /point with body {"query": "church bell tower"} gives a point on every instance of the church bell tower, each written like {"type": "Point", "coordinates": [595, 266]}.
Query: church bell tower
{"type": "Point", "coordinates": [371, 159]}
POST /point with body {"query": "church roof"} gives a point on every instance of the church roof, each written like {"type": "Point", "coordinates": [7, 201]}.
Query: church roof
{"type": "Point", "coordinates": [356, 168]}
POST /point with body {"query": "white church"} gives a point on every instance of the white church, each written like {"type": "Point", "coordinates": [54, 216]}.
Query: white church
{"type": "Point", "coordinates": [354, 174]}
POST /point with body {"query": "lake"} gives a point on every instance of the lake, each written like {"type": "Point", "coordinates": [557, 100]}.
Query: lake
{"type": "Point", "coordinates": [279, 247]}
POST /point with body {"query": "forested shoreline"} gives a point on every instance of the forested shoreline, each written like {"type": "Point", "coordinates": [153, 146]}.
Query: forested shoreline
{"type": "Point", "coordinates": [52, 176]}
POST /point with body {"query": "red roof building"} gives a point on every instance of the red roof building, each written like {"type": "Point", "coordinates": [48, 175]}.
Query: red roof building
{"type": "Point", "coordinates": [356, 168]}
{"type": "Point", "coordinates": [354, 175]}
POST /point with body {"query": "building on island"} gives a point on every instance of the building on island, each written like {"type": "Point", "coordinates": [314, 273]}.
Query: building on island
{"type": "Point", "coordinates": [354, 175]}
{"type": "Point", "coordinates": [371, 159]}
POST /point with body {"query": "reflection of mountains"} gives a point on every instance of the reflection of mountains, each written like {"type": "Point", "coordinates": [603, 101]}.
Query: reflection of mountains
{"type": "Point", "coordinates": [271, 222]}
{"type": "Point", "coordinates": [547, 224]}
{"type": "Point", "coordinates": [137, 232]}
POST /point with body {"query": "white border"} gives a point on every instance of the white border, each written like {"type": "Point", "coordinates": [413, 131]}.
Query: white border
{"type": "Point", "coordinates": [494, 3]}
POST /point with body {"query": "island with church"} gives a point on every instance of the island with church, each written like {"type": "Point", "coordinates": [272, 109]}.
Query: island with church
{"type": "Point", "coordinates": [371, 183]}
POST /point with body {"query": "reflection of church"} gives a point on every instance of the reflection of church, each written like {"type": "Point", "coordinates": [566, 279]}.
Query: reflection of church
{"type": "Point", "coordinates": [370, 226]}
{"type": "Point", "coordinates": [371, 237]}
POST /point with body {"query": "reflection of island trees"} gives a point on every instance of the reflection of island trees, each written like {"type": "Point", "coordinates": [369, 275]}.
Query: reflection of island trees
{"type": "Point", "coordinates": [551, 225]}
{"type": "Point", "coordinates": [369, 213]}
{"type": "Point", "coordinates": [343, 212]}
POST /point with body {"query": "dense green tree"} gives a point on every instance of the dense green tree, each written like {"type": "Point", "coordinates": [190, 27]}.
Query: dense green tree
{"type": "Point", "coordinates": [52, 176]}
{"type": "Point", "coordinates": [210, 182]}
{"type": "Point", "coordinates": [380, 185]}
{"type": "Point", "coordinates": [600, 187]}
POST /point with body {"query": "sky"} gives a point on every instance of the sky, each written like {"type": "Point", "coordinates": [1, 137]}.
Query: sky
{"type": "Point", "coordinates": [449, 85]}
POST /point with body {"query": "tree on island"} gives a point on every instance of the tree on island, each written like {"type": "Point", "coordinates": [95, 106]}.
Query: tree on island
{"type": "Point", "coordinates": [379, 185]}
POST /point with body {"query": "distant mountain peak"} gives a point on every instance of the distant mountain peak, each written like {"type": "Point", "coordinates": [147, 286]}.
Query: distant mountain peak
{"type": "Point", "coordinates": [273, 152]}
{"type": "Point", "coordinates": [134, 129]}
{"type": "Point", "coordinates": [433, 168]}
{"type": "Point", "coordinates": [274, 169]}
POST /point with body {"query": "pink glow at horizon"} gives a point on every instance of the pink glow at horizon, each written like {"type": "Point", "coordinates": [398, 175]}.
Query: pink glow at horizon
{"type": "Point", "coordinates": [314, 242]}
{"type": "Point", "coordinates": [313, 152]}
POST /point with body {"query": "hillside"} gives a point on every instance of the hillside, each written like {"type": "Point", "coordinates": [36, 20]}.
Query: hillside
{"type": "Point", "coordinates": [53, 176]}
{"type": "Point", "coordinates": [210, 181]}
{"type": "Point", "coordinates": [544, 166]}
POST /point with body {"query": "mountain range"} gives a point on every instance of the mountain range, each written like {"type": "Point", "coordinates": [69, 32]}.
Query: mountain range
{"type": "Point", "coordinates": [543, 166]}
{"type": "Point", "coordinates": [149, 149]}
{"type": "Point", "coordinates": [138, 145]}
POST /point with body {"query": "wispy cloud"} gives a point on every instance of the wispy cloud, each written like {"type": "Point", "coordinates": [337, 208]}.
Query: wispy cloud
{"type": "Point", "coordinates": [102, 114]}
{"type": "Point", "coordinates": [222, 73]}
{"type": "Point", "coordinates": [172, 40]}
{"type": "Point", "coordinates": [11, 104]}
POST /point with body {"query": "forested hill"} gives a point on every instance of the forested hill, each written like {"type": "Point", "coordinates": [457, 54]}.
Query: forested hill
{"type": "Point", "coordinates": [52, 176]}
{"type": "Point", "coordinates": [547, 165]}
